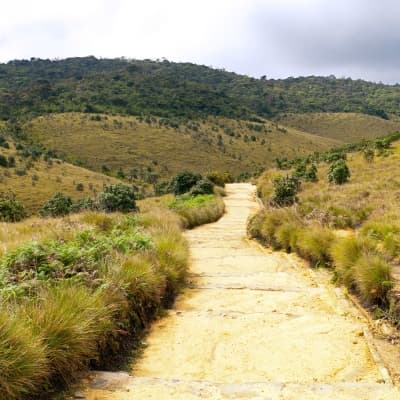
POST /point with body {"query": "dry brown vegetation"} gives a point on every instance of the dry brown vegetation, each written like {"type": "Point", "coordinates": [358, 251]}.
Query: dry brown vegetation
{"type": "Point", "coordinates": [41, 179]}
{"type": "Point", "coordinates": [140, 147]}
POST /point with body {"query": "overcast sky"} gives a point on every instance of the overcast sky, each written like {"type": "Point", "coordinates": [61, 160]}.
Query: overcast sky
{"type": "Point", "coordinates": [277, 38]}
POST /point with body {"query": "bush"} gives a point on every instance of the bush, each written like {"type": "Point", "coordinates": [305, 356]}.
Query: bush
{"type": "Point", "coordinates": [204, 186]}
{"type": "Point", "coordinates": [285, 191]}
{"type": "Point", "coordinates": [183, 182]}
{"type": "Point", "coordinates": [219, 178]}
{"type": "Point", "coordinates": [117, 197]}
{"type": "Point", "coordinates": [311, 174]}
{"type": "Point", "coordinates": [58, 206]}
{"type": "Point", "coordinates": [338, 172]}
{"type": "Point", "coordinates": [80, 187]}
{"type": "Point", "coordinates": [3, 161]}
{"type": "Point", "coordinates": [84, 205]}
{"type": "Point", "coordinates": [10, 209]}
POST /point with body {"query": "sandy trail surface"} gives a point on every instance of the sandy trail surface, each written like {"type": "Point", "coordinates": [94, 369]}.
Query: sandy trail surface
{"type": "Point", "coordinates": [252, 324]}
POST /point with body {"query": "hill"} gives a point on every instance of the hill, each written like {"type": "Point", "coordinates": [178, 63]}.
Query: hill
{"type": "Point", "coordinates": [34, 177]}
{"type": "Point", "coordinates": [167, 89]}
{"type": "Point", "coordinates": [154, 148]}
{"type": "Point", "coordinates": [346, 127]}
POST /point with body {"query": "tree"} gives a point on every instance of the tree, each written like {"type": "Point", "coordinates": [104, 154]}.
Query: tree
{"type": "Point", "coordinates": [338, 172]}
{"type": "Point", "coordinates": [117, 197]}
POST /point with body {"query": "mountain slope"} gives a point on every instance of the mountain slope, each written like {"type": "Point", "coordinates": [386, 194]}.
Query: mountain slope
{"type": "Point", "coordinates": [150, 149]}
{"type": "Point", "coordinates": [346, 127]}
{"type": "Point", "coordinates": [34, 180]}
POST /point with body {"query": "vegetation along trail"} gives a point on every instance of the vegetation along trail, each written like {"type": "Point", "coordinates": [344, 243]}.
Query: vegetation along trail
{"type": "Point", "coordinates": [253, 324]}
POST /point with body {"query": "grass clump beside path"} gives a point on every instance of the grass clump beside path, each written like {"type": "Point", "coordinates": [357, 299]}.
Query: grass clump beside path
{"type": "Point", "coordinates": [72, 296]}
{"type": "Point", "coordinates": [198, 210]}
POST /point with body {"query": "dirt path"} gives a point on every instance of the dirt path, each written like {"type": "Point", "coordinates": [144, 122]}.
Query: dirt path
{"type": "Point", "coordinates": [252, 325]}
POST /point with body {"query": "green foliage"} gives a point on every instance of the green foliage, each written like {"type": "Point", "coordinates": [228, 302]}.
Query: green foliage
{"type": "Point", "coordinates": [285, 191]}
{"type": "Point", "coordinates": [177, 90]}
{"type": "Point", "coordinates": [117, 197]}
{"type": "Point", "coordinates": [3, 161]}
{"type": "Point", "coordinates": [11, 210]}
{"type": "Point", "coordinates": [183, 182]}
{"type": "Point", "coordinates": [58, 206]}
{"type": "Point", "coordinates": [338, 172]}
{"type": "Point", "coordinates": [203, 186]}
{"type": "Point", "coordinates": [369, 155]}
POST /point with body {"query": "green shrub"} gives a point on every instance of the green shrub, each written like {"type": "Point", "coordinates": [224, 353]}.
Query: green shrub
{"type": "Point", "coordinates": [23, 362]}
{"type": "Point", "coordinates": [183, 182]}
{"type": "Point", "coordinates": [311, 174]}
{"type": "Point", "coordinates": [338, 172]}
{"type": "Point", "coordinates": [204, 186]}
{"type": "Point", "coordinates": [3, 161]}
{"type": "Point", "coordinates": [11, 210]}
{"type": "Point", "coordinates": [86, 204]}
{"type": "Point", "coordinates": [117, 197]}
{"type": "Point", "coordinates": [285, 191]}
{"type": "Point", "coordinates": [59, 205]}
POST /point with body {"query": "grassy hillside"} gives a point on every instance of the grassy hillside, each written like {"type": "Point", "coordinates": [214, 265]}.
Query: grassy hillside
{"type": "Point", "coordinates": [346, 127]}
{"type": "Point", "coordinates": [154, 148]}
{"type": "Point", "coordinates": [163, 88]}
{"type": "Point", "coordinates": [34, 181]}
{"type": "Point", "coordinates": [353, 227]}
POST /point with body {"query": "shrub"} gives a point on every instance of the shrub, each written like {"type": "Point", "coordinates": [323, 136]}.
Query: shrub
{"type": "Point", "coordinates": [369, 155]}
{"type": "Point", "coordinates": [183, 182]}
{"type": "Point", "coordinates": [219, 178]}
{"type": "Point", "coordinates": [311, 174]}
{"type": "Point", "coordinates": [20, 171]}
{"type": "Point", "coordinates": [80, 187]}
{"type": "Point", "coordinates": [204, 186]}
{"type": "Point", "coordinates": [59, 205]}
{"type": "Point", "coordinates": [285, 191]}
{"type": "Point", "coordinates": [338, 172]}
{"type": "Point", "coordinates": [3, 161]}
{"type": "Point", "coordinates": [11, 210]}
{"type": "Point", "coordinates": [11, 161]}
{"type": "Point", "coordinates": [117, 197]}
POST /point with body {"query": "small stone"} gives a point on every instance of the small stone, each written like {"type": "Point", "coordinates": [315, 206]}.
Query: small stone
{"type": "Point", "coordinates": [360, 333]}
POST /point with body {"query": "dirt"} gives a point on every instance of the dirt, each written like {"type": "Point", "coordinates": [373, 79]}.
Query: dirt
{"type": "Point", "coordinates": [252, 324]}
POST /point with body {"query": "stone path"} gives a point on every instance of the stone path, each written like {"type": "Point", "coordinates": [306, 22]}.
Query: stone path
{"type": "Point", "coordinates": [252, 325]}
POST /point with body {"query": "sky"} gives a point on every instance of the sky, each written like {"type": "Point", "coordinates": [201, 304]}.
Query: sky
{"type": "Point", "coordinates": [276, 38]}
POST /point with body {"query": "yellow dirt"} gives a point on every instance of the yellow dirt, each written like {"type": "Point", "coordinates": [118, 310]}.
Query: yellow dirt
{"type": "Point", "coordinates": [252, 325]}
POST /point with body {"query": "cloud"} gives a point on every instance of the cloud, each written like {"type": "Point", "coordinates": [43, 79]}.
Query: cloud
{"type": "Point", "coordinates": [256, 37]}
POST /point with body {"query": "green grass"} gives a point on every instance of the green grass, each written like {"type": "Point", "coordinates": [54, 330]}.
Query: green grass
{"type": "Point", "coordinates": [198, 210]}
{"type": "Point", "coordinates": [71, 297]}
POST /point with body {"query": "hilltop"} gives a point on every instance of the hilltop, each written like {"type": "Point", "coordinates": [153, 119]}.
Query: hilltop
{"type": "Point", "coordinates": [168, 89]}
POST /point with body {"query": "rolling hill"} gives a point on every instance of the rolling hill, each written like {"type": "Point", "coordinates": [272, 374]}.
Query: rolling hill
{"type": "Point", "coordinates": [152, 148]}
{"type": "Point", "coordinates": [34, 180]}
